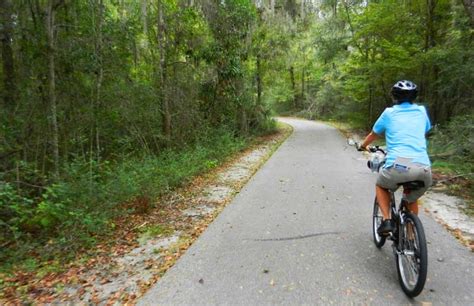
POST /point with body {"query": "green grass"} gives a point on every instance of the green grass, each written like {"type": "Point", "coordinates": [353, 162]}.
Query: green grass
{"type": "Point", "coordinates": [445, 167]}
{"type": "Point", "coordinates": [155, 230]}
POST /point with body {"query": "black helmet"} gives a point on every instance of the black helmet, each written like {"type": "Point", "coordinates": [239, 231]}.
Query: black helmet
{"type": "Point", "coordinates": [404, 91]}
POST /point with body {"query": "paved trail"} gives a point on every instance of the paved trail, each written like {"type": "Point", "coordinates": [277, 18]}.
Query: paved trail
{"type": "Point", "coordinates": [300, 233]}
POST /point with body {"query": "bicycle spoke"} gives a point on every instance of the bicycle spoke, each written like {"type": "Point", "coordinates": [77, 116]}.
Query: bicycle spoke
{"type": "Point", "coordinates": [409, 257]}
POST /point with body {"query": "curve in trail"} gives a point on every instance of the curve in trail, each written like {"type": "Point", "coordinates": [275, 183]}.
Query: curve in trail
{"type": "Point", "coordinates": [314, 183]}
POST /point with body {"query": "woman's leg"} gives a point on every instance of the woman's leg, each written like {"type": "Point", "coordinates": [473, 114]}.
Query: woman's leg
{"type": "Point", "coordinates": [383, 198]}
{"type": "Point", "coordinates": [413, 207]}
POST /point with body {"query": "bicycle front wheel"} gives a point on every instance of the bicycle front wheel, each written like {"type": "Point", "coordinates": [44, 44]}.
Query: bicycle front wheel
{"type": "Point", "coordinates": [376, 221]}
{"type": "Point", "coordinates": [412, 256]}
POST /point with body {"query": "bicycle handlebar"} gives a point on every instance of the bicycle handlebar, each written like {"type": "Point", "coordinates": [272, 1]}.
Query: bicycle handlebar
{"type": "Point", "coordinates": [374, 149]}
{"type": "Point", "coordinates": [371, 149]}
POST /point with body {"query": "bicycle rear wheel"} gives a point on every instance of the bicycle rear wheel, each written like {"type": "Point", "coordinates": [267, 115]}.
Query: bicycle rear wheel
{"type": "Point", "coordinates": [376, 221]}
{"type": "Point", "coordinates": [412, 256]}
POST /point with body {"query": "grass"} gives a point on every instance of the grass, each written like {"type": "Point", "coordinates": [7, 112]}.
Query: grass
{"type": "Point", "coordinates": [154, 230]}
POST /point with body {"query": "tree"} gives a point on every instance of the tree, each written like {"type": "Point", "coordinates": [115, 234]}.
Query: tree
{"type": "Point", "coordinates": [6, 29]}
{"type": "Point", "coordinates": [52, 5]}
{"type": "Point", "coordinates": [165, 109]}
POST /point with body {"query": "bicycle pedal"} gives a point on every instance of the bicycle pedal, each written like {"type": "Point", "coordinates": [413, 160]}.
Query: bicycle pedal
{"type": "Point", "coordinates": [392, 236]}
{"type": "Point", "coordinates": [387, 234]}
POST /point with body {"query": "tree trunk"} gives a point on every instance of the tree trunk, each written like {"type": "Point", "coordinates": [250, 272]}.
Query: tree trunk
{"type": "Point", "coordinates": [6, 29]}
{"type": "Point", "coordinates": [144, 5]}
{"type": "Point", "coordinates": [437, 104]}
{"type": "Point", "coordinates": [99, 76]}
{"type": "Point", "coordinates": [52, 83]}
{"type": "Point", "coordinates": [259, 80]}
{"type": "Point", "coordinates": [272, 7]}
{"type": "Point", "coordinates": [241, 108]}
{"type": "Point", "coordinates": [291, 8]}
{"type": "Point", "coordinates": [430, 73]}
{"type": "Point", "coordinates": [303, 72]}
{"type": "Point", "coordinates": [293, 86]}
{"type": "Point", "coordinates": [302, 9]}
{"type": "Point", "coordinates": [430, 31]}
{"type": "Point", "coordinates": [165, 109]}
{"type": "Point", "coordinates": [371, 105]}
{"type": "Point", "coordinates": [243, 121]}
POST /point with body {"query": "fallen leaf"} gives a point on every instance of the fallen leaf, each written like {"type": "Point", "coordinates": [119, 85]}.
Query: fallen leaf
{"type": "Point", "coordinates": [105, 281]}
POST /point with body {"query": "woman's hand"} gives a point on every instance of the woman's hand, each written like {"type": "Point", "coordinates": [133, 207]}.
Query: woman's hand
{"type": "Point", "coordinates": [360, 147]}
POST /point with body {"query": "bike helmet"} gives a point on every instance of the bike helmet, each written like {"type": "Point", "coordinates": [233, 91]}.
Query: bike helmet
{"type": "Point", "coordinates": [404, 91]}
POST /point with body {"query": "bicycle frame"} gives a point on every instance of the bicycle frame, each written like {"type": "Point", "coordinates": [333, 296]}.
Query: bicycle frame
{"type": "Point", "coordinates": [398, 215]}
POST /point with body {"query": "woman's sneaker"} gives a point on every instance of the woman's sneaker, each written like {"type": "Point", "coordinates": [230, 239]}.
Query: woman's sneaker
{"type": "Point", "coordinates": [385, 227]}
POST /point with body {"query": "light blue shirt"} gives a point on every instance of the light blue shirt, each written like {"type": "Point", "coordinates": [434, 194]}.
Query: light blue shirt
{"type": "Point", "coordinates": [405, 126]}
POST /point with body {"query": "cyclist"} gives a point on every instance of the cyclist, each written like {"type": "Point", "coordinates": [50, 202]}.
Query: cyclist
{"type": "Point", "coordinates": [404, 126]}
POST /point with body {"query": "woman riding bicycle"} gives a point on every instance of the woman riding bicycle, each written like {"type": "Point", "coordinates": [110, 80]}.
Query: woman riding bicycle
{"type": "Point", "coordinates": [404, 126]}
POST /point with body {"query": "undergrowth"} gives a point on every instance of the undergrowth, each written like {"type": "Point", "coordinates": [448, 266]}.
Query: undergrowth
{"type": "Point", "coordinates": [80, 209]}
{"type": "Point", "coordinates": [452, 153]}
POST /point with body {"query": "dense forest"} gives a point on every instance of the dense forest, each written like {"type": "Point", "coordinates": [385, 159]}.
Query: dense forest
{"type": "Point", "coordinates": [109, 101]}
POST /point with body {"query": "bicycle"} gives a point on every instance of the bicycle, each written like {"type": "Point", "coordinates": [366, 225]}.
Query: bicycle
{"type": "Point", "coordinates": [409, 242]}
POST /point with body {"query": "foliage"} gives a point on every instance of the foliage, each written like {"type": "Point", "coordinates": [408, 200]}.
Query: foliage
{"type": "Point", "coordinates": [107, 103]}
{"type": "Point", "coordinates": [452, 145]}
{"type": "Point", "coordinates": [120, 101]}
{"type": "Point", "coordinates": [112, 77]}
{"type": "Point", "coordinates": [338, 60]}
{"type": "Point", "coordinates": [351, 52]}
{"type": "Point", "coordinates": [71, 214]}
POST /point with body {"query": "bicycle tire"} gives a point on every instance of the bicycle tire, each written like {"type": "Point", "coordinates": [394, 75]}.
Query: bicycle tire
{"type": "Point", "coordinates": [417, 263]}
{"type": "Point", "coordinates": [376, 220]}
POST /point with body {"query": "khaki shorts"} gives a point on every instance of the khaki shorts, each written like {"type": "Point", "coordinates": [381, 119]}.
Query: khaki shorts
{"type": "Point", "coordinates": [402, 171]}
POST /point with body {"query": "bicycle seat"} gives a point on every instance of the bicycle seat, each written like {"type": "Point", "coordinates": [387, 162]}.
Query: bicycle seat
{"type": "Point", "coordinates": [412, 185]}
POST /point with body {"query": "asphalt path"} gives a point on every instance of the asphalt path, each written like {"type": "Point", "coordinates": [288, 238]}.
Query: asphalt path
{"type": "Point", "coordinates": [300, 233]}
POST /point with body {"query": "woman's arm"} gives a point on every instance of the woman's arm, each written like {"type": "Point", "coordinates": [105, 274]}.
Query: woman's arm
{"type": "Point", "coordinates": [368, 140]}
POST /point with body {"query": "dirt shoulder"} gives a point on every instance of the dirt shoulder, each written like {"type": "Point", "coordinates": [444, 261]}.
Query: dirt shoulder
{"type": "Point", "coordinates": [146, 245]}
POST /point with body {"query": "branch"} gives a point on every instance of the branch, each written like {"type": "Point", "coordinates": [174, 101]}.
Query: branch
{"type": "Point", "coordinates": [5, 155]}
{"type": "Point", "coordinates": [444, 154]}
{"type": "Point", "coordinates": [28, 184]}
{"type": "Point", "coordinates": [455, 177]}
{"type": "Point", "coordinates": [6, 244]}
